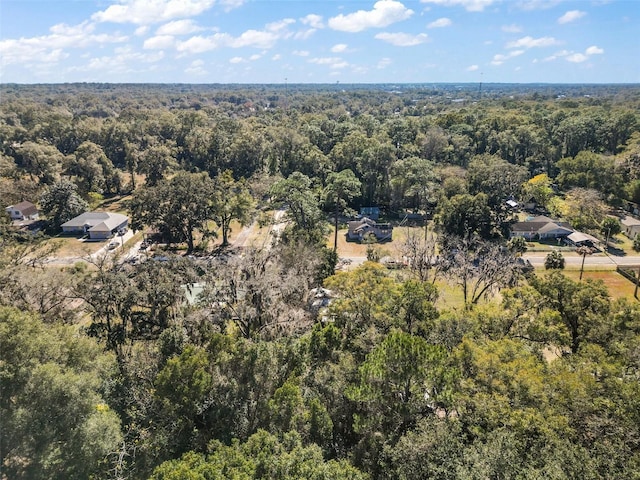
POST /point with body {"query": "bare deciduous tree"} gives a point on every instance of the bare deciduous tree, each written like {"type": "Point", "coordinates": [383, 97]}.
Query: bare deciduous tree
{"type": "Point", "coordinates": [421, 255]}
{"type": "Point", "coordinates": [261, 295]}
{"type": "Point", "coordinates": [479, 267]}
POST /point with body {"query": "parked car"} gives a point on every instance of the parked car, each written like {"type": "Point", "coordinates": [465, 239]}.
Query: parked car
{"type": "Point", "coordinates": [113, 245]}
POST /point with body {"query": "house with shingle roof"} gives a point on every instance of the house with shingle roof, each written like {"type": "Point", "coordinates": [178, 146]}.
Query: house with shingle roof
{"type": "Point", "coordinates": [359, 229]}
{"type": "Point", "coordinates": [541, 227]}
{"type": "Point", "coordinates": [98, 225]}
{"type": "Point", "coordinates": [23, 211]}
{"type": "Point", "coordinates": [630, 226]}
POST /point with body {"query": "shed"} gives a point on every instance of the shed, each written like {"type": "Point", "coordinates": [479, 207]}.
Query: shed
{"type": "Point", "coordinates": [630, 226]}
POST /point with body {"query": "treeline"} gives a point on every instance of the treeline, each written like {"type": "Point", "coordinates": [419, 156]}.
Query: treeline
{"type": "Point", "coordinates": [111, 370]}
{"type": "Point", "coordinates": [396, 142]}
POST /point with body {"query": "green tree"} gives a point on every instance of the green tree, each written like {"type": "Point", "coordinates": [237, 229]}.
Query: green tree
{"type": "Point", "coordinates": [341, 187]}
{"type": "Point", "coordinates": [230, 201]}
{"type": "Point", "coordinates": [582, 305]}
{"type": "Point", "coordinates": [262, 457]}
{"type": "Point", "coordinates": [178, 207]}
{"type": "Point", "coordinates": [296, 194]}
{"type": "Point", "coordinates": [55, 422]}
{"type": "Point", "coordinates": [465, 216]}
{"type": "Point", "coordinates": [538, 188]}
{"type": "Point", "coordinates": [496, 178]}
{"type": "Point", "coordinates": [554, 260]}
{"type": "Point", "coordinates": [610, 227]}
{"type": "Point", "coordinates": [61, 202]}
{"type": "Point", "coordinates": [402, 380]}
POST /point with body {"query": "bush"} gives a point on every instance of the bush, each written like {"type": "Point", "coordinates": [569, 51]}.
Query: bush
{"type": "Point", "coordinates": [636, 243]}
{"type": "Point", "coordinates": [554, 260]}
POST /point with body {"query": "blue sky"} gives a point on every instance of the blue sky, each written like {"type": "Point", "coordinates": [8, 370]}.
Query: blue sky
{"type": "Point", "coordinates": [264, 41]}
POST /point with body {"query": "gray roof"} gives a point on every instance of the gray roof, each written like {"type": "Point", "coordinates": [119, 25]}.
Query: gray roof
{"type": "Point", "coordinates": [629, 221]}
{"type": "Point", "coordinates": [100, 221]}
{"type": "Point", "coordinates": [27, 208]}
{"type": "Point", "coordinates": [577, 237]}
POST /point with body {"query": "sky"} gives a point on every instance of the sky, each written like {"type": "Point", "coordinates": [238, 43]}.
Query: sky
{"type": "Point", "coordinates": [330, 41]}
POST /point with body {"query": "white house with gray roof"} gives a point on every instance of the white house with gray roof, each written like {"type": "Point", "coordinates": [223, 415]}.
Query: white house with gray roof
{"type": "Point", "coordinates": [98, 225]}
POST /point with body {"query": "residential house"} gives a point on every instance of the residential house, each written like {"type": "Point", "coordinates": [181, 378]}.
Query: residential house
{"type": "Point", "coordinates": [23, 211]}
{"type": "Point", "coordinates": [359, 229]}
{"type": "Point", "coordinates": [541, 228]}
{"type": "Point", "coordinates": [630, 226]}
{"type": "Point", "coordinates": [98, 225]}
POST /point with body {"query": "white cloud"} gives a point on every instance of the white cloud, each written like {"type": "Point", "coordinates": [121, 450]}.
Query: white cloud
{"type": "Point", "coordinates": [469, 5]}
{"type": "Point", "coordinates": [276, 57]}
{"type": "Point", "coordinates": [231, 4]}
{"type": "Point", "coordinates": [403, 39]}
{"type": "Point", "coordinates": [263, 39]}
{"type": "Point", "coordinates": [472, 68]}
{"type": "Point", "coordinates": [538, 4]}
{"type": "Point", "coordinates": [314, 21]}
{"type": "Point", "coordinates": [50, 48]}
{"type": "Point", "coordinates": [236, 60]}
{"type": "Point", "coordinates": [199, 44]}
{"type": "Point", "coordinates": [301, 53]}
{"type": "Point", "coordinates": [577, 58]}
{"type": "Point", "coordinates": [124, 60]}
{"type": "Point", "coordinates": [255, 57]}
{"type": "Point", "coordinates": [511, 28]}
{"type": "Point", "coordinates": [255, 38]}
{"type": "Point", "coordinates": [304, 34]}
{"type": "Point", "coordinates": [159, 42]}
{"type": "Point", "coordinates": [178, 27]}
{"type": "Point", "coordinates": [384, 13]}
{"type": "Point", "coordinates": [571, 16]}
{"type": "Point", "coordinates": [196, 68]}
{"type": "Point", "coordinates": [144, 12]}
{"type": "Point", "coordinates": [439, 23]}
{"type": "Point", "coordinates": [140, 31]}
{"type": "Point", "coordinates": [593, 50]}
{"type": "Point", "coordinates": [530, 42]}
{"type": "Point", "coordinates": [280, 25]}
{"type": "Point", "coordinates": [339, 48]}
{"type": "Point", "coordinates": [384, 63]}
{"type": "Point", "coordinates": [499, 59]}
{"type": "Point", "coordinates": [332, 62]}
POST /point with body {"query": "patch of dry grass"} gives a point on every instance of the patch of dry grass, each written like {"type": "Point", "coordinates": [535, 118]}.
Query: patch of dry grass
{"type": "Point", "coordinates": [68, 246]}
{"type": "Point", "coordinates": [618, 286]}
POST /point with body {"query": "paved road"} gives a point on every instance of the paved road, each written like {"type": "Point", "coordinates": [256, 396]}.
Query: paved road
{"type": "Point", "coordinates": [538, 258]}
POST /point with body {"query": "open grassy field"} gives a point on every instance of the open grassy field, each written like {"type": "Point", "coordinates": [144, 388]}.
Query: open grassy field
{"type": "Point", "coordinates": [618, 286]}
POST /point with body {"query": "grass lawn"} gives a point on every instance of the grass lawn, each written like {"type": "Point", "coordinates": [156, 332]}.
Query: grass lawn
{"type": "Point", "coordinates": [74, 246]}
{"type": "Point", "coordinates": [355, 249]}
{"type": "Point", "coordinates": [617, 285]}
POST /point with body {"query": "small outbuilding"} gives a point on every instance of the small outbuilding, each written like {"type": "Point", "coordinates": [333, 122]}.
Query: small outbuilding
{"type": "Point", "coordinates": [580, 239]}
{"type": "Point", "coordinates": [23, 211]}
{"type": "Point", "coordinates": [630, 226]}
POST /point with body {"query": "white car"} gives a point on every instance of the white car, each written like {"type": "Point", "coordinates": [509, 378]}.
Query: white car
{"type": "Point", "coordinates": [113, 245]}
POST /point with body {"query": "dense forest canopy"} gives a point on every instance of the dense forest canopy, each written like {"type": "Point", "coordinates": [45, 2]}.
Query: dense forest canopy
{"type": "Point", "coordinates": [109, 371]}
